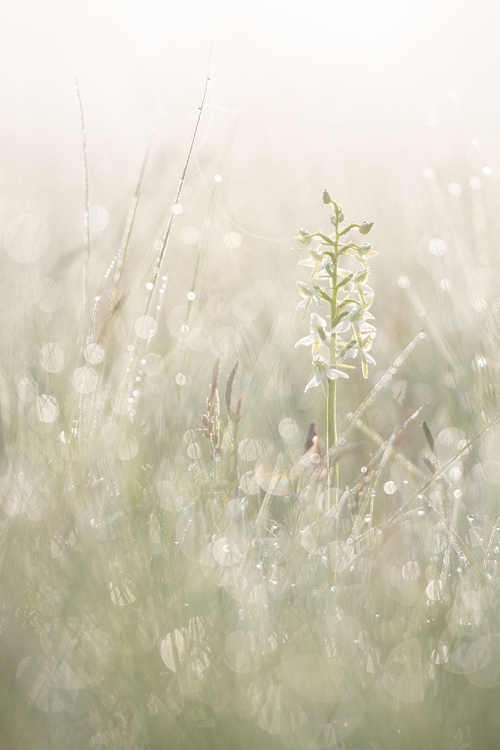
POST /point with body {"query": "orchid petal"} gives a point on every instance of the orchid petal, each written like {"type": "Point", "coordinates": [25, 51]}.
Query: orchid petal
{"type": "Point", "coordinates": [334, 374]}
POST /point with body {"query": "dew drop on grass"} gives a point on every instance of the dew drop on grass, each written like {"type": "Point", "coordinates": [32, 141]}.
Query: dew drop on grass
{"type": "Point", "coordinates": [99, 218]}
{"type": "Point", "coordinates": [487, 170]}
{"type": "Point", "coordinates": [194, 451]}
{"type": "Point", "coordinates": [437, 246]}
{"type": "Point", "coordinates": [479, 362]}
{"type": "Point", "coordinates": [455, 473]}
{"type": "Point", "coordinates": [411, 570]}
{"type": "Point", "coordinates": [390, 488]}
{"type": "Point", "coordinates": [47, 408]}
{"type": "Point", "coordinates": [51, 357]}
{"type": "Point", "coordinates": [217, 177]}
{"type": "Point", "coordinates": [152, 364]}
{"type": "Point", "coordinates": [94, 353]}
{"type": "Point", "coordinates": [288, 428]}
{"type": "Point", "coordinates": [128, 449]}
{"type": "Point", "coordinates": [191, 296]}
{"type": "Point", "coordinates": [149, 286]}
{"type": "Point", "coordinates": [84, 379]}
{"type": "Point", "coordinates": [454, 189]}
{"type": "Point", "coordinates": [248, 483]}
{"type": "Point", "coordinates": [26, 238]}
{"type": "Point", "coordinates": [177, 208]}
{"type": "Point", "coordinates": [119, 403]}
{"type": "Point", "coordinates": [190, 436]}
{"type": "Point", "coordinates": [233, 240]}
{"type": "Point", "coordinates": [250, 449]}
{"type": "Point", "coordinates": [434, 590]}
{"type": "Point", "coordinates": [180, 378]}
{"type": "Point", "coordinates": [145, 326]}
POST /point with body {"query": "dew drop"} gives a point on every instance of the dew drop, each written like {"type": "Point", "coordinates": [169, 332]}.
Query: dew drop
{"type": "Point", "coordinates": [233, 240]}
{"type": "Point", "coordinates": [26, 238]}
{"type": "Point", "coordinates": [437, 246]}
{"type": "Point", "coordinates": [94, 353]}
{"type": "Point", "coordinates": [145, 326]}
{"type": "Point", "coordinates": [390, 488]}
{"type": "Point", "coordinates": [52, 357]}
{"type": "Point", "coordinates": [84, 379]}
{"type": "Point", "coordinates": [47, 408]}
{"type": "Point", "coordinates": [454, 189]}
{"type": "Point", "coordinates": [99, 218]}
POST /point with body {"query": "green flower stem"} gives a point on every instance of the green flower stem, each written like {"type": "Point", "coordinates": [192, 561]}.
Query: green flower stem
{"type": "Point", "coordinates": [349, 297]}
{"type": "Point", "coordinates": [331, 426]}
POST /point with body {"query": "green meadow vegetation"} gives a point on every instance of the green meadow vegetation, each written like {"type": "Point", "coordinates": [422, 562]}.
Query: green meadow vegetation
{"type": "Point", "coordinates": [209, 538]}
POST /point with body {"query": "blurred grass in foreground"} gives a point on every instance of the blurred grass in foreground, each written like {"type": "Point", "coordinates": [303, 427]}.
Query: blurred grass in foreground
{"type": "Point", "coordinates": [162, 588]}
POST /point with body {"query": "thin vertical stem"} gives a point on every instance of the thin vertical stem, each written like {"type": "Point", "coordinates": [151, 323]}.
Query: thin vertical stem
{"type": "Point", "coordinates": [86, 215]}
{"type": "Point", "coordinates": [331, 441]}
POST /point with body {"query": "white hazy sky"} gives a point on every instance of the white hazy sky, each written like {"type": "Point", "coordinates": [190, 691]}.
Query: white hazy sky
{"type": "Point", "coordinates": [148, 52]}
{"type": "Point", "coordinates": [319, 66]}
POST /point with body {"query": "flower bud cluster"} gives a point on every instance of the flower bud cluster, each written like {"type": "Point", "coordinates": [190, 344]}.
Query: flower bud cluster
{"type": "Point", "coordinates": [346, 332]}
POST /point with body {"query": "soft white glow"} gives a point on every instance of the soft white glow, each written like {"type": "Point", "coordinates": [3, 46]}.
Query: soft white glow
{"type": "Point", "coordinates": [362, 28]}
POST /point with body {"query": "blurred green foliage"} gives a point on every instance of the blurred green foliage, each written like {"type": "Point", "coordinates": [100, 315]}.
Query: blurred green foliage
{"type": "Point", "coordinates": [174, 571]}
